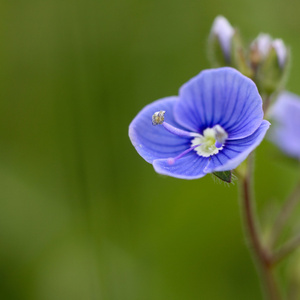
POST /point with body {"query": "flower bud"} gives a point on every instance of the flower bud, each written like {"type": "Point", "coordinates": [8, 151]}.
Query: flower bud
{"type": "Point", "coordinates": [270, 59]}
{"type": "Point", "coordinates": [262, 46]}
{"type": "Point", "coordinates": [226, 47]}
{"type": "Point", "coordinates": [220, 41]}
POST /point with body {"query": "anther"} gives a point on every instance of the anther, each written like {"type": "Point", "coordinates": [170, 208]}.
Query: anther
{"type": "Point", "coordinates": [158, 117]}
{"type": "Point", "coordinates": [220, 136]}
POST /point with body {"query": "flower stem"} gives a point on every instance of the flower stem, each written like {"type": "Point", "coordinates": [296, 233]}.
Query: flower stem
{"type": "Point", "coordinates": [261, 255]}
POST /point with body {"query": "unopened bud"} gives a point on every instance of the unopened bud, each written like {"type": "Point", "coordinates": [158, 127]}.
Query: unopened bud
{"type": "Point", "coordinates": [224, 32]}
{"type": "Point", "coordinates": [225, 47]}
{"type": "Point", "coordinates": [270, 59]}
{"type": "Point", "coordinates": [220, 40]}
{"type": "Point", "coordinates": [262, 46]}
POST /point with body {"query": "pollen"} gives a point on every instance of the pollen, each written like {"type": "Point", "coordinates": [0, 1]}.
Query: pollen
{"type": "Point", "coordinates": [158, 117]}
{"type": "Point", "coordinates": [208, 142]}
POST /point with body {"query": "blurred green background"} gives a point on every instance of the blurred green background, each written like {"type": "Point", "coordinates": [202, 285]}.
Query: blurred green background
{"type": "Point", "coordinates": [82, 216]}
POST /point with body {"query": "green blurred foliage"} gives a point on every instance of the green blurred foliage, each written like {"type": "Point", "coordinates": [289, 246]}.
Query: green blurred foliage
{"type": "Point", "coordinates": [80, 217]}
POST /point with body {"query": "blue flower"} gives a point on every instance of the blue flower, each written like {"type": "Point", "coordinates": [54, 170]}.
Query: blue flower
{"type": "Point", "coordinates": [213, 125]}
{"type": "Point", "coordinates": [286, 116]}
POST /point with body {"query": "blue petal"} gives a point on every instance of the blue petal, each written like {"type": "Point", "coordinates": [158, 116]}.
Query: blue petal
{"type": "Point", "coordinates": [221, 96]}
{"type": "Point", "coordinates": [236, 151]}
{"type": "Point", "coordinates": [285, 132]}
{"type": "Point", "coordinates": [154, 142]}
{"type": "Point", "coordinates": [188, 167]}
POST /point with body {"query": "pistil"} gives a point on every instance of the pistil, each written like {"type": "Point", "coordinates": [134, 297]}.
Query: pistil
{"type": "Point", "coordinates": [172, 160]}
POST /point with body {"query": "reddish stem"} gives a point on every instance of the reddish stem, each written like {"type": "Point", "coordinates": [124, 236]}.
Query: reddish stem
{"type": "Point", "coordinates": [262, 257]}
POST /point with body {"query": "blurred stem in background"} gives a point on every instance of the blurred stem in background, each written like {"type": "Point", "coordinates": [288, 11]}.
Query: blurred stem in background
{"type": "Point", "coordinates": [261, 254]}
{"type": "Point", "coordinates": [284, 214]}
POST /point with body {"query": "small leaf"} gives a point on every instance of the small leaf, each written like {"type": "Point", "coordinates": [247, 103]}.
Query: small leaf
{"type": "Point", "coordinates": [225, 175]}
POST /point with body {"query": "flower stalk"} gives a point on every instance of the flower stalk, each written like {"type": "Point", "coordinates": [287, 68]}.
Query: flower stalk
{"type": "Point", "coordinates": [261, 254]}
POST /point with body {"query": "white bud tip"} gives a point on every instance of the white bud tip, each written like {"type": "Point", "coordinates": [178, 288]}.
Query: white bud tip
{"type": "Point", "coordinates": [281, 51]}
{"type": "Point", "coordinates": [263, 43]}
{"type": "Point", "coordinates": [224, 31]}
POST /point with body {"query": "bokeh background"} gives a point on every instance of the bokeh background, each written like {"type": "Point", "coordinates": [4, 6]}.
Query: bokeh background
{"type": "Point", "coordinates": [82, 216]}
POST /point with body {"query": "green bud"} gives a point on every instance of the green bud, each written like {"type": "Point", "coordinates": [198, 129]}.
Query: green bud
{"type": "Point", "coordinates": [270, 60]}
{"type": "Point", "coordinates": [219, 42]}
{"type": "Point", "coordinates": [225, 47]}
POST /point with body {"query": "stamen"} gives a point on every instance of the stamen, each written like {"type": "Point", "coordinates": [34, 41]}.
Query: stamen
{"type": "Point", "coordinates": [178, 131]}
{"type": "Point", "coordinates": [158, 118]}
{"type": "Point", "coordinates": [220, 136]}
{"type": "Point", "coordinates": [172, 160]}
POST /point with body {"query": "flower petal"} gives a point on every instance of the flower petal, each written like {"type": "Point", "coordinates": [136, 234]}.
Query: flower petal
{"type": "Point", "coordinates": [220, 96]}
{"type": "Point", "coordinates": [286, 115]}
{"type": "Point", "coordinates": [236, 151]}
{"type": "Point", "coordinates": [188, 167]}
{"type": "Point", "coordinates": [153, 142]}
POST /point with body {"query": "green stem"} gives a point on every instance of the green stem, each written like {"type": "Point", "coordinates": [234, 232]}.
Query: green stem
{"type": "Point", "coordinates": [261, 255]}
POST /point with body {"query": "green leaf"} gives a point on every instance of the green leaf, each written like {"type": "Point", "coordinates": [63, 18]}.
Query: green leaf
{"type": "Point", "coordinates": [225, 176]}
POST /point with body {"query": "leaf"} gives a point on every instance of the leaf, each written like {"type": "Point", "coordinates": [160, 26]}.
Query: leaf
{"type": "Point", "coordinates": [225, 176]}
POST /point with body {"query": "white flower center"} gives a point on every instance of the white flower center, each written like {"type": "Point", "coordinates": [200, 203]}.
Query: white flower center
{"type": "Point", "coordinates": [211, 142]}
